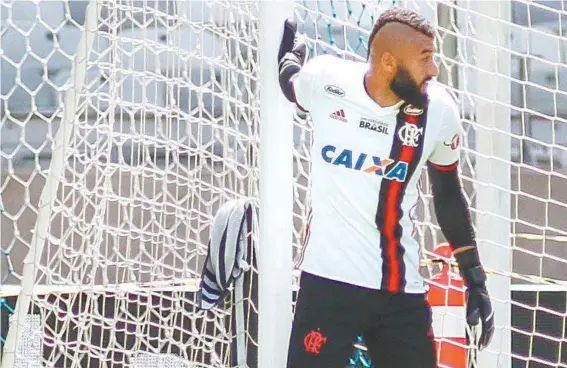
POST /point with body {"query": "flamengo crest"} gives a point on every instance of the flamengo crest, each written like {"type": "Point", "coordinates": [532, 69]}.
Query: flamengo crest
{"type": "Point", "coordinates": [409, 135]}
{"type": "Point", "coordinates": [313, 342]}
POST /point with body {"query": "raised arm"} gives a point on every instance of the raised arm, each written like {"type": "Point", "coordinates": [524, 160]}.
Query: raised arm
{"type": "Point", "coordinates": [291, 58]}
{"type": "Point", "coordinates": [453, 216]}
{"type": "Point", "coordinates": [298, 79]}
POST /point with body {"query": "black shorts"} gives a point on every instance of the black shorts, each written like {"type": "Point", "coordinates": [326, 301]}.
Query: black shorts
{"type": "Point", "coordinates": [330, 315]}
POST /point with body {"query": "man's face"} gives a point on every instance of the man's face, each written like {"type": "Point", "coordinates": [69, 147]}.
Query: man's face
{"type": "Point", "coordinates": [415, 68]}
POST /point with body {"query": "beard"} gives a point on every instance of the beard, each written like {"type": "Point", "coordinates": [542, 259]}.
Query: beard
{"type": "Point", "coordinates": [407, 89]}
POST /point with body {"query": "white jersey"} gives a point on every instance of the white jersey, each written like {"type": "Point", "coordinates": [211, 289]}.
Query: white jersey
{"type": "Point", "coordinates": [366, 164]}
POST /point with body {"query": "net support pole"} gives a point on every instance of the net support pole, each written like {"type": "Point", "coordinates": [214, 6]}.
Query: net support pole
{"type": "Point", "coordinates": [276, 193]}
{"type": "Point", "coordinates": [493, 169]}
{"type": "Point", "coordinates": [49, 192]}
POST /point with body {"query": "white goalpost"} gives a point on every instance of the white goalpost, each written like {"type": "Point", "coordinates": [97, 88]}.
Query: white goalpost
{"type": "Point", "coordinates": [492, 166]}
{"type": "Point", "coordinates": [126, 124]}
{"type": "Point", "coordinates": [276, 192]}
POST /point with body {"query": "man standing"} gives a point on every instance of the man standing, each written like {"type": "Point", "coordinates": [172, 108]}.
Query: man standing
{"type": "Point", "coordinates": [375, 126]}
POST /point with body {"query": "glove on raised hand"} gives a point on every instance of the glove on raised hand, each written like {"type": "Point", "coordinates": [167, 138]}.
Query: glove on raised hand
{"type": "Point", "coordinates": [291, 58]}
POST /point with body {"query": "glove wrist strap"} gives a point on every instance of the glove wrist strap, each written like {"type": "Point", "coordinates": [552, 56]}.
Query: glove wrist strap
{"type": "Point", "coordinates": [471, 268]}
{"type": "Point", "coordinates": [467, 258]}
{"type": "Point", "coordinates": [474, 276]}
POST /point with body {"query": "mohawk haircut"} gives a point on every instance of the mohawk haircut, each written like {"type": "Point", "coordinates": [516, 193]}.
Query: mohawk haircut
{"type": "Point", "coordinates": [404, 16]}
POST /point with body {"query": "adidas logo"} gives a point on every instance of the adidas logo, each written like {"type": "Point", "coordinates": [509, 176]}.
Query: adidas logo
{"type": "Point", "coordinates": [339, 115]}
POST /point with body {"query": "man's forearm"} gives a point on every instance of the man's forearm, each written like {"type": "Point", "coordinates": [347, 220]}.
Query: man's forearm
{"type": "Point", "coordinates": [453, 215]}
{"type": "Point", "coordinates": [289, 69]}
{"type": "Point", "coordinates": [291, 57]}
{"type": "Point", "coordinates": [454, 218]}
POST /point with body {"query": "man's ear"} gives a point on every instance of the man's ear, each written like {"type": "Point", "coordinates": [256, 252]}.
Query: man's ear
{"type": "Point", "coordinates": [389, 63]}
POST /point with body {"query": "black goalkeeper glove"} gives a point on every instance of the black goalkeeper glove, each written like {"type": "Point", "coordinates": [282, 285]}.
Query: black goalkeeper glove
{"type": "Point", "coordinates": [479, 307]}
{"type": "Point", "coordinates": [291, 58]}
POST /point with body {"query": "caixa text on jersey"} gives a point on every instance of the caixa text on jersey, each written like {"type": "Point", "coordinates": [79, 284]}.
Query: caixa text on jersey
{"type": "Point", "coordinates": [386, 167]}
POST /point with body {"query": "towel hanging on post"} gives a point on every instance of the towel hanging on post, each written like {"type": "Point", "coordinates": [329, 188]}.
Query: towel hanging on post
{"type": "Point", "coordinates": [227, 252]}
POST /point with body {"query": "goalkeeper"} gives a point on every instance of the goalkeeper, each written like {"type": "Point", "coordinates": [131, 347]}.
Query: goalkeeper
{"type": "Point", "coordinates": [375, 126]}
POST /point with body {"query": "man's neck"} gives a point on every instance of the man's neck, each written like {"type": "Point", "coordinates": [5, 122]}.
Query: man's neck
{"type": "Point", "coordinates": [378, 91]}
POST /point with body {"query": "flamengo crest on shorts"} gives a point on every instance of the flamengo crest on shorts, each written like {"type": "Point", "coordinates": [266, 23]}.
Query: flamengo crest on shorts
{"type": "Point", "coordinates": [314, 341]}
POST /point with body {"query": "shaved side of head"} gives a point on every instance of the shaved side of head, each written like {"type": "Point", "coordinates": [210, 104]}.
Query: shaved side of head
{"type": "Point", "coordinates": [394, 38]}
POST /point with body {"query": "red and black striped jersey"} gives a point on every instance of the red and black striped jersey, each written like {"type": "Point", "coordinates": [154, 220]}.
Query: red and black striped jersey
{"type": "Point", "coordinates": [366, 162]}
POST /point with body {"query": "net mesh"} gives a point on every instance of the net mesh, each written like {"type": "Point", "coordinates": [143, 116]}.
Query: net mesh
{"type": "Point", "coordinates": [166, 131]}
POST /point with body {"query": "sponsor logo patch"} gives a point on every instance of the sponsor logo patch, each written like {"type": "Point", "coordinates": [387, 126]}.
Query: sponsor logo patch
{"type": "Point", "coordinates": [374, 125]}
{"type": "Point", "coordinates": [412, 110]}
{"type": "Point", "coordinates": [360, 161]}
{"type": "Point", "coordinates": [339, 115]}
{"type": "Point", "coordinates": [334, 90]}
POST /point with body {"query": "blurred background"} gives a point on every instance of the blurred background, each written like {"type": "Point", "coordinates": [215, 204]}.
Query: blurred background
{"type": "Point", "coordinates": [539, 68]}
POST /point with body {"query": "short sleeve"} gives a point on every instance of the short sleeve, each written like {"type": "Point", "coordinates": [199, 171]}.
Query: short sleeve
{"type": "Point", "coordinates": [306, 82]}
{"type": "Point", "coordinates": [448, 145]}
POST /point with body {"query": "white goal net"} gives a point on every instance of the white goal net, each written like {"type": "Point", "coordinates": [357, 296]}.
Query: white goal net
{"type": "Point", "coordinates": [126, 124]}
